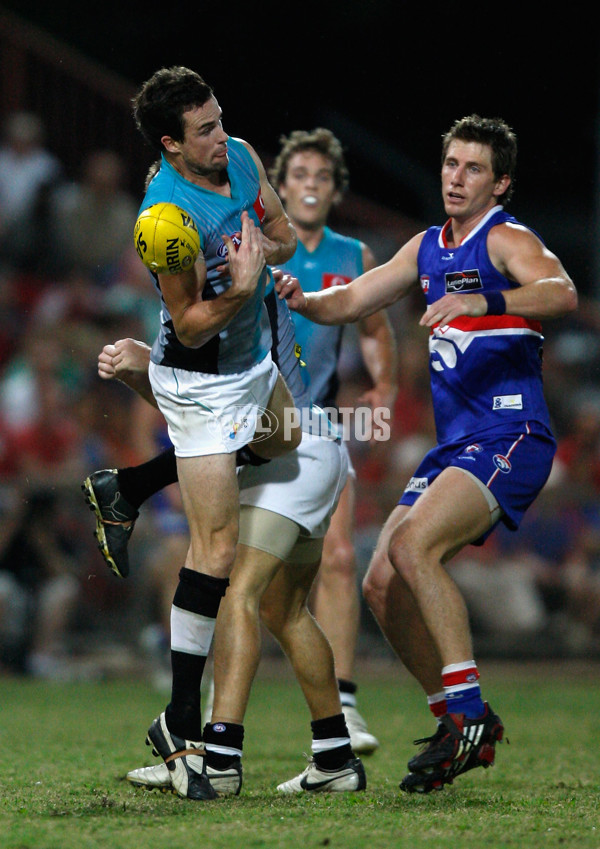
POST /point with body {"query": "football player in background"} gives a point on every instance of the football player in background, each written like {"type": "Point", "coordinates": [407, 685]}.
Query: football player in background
{"type": "Point", "coordinates": [310, 176]}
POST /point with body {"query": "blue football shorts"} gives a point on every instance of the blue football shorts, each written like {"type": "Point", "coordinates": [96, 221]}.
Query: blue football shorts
{"type": "Point", "coordinates": [513, 463]}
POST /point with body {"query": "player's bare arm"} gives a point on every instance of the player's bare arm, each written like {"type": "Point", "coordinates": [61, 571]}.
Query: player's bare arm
{"type": "Point", "coordinates": [378, 349]}
{"type": "Point", "coordinates": [197, 321]}
{"type": "Point", "coordinates": [127, 360]}
{"type": "Point", "coordinates": [372, 291]}
{"type": "Point", "coordinates": [545, 290]}
{"type": "Point", "coordinates": [278, 234]}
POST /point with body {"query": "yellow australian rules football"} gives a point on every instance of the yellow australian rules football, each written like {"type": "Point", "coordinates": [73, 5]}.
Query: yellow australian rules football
{"type": "Point", "coordinates": [166, 238]}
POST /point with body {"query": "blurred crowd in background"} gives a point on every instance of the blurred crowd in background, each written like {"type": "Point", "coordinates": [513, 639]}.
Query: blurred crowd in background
{"type": "Point", "coordinates": [71, 282]}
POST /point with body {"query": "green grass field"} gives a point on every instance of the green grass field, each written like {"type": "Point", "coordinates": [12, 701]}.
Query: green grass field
{"type": "Point", "coordinates": [66, 748]}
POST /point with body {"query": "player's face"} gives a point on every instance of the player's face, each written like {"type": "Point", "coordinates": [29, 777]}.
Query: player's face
{"type": "Point", "coordinates": [309, 189]}
{"type": "Point", "coordinates": [469, 187]}
{"type": "Point", "coordinates": [204, 148]}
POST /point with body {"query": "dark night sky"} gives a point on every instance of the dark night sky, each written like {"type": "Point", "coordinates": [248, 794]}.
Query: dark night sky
{"type": "Point", "coordinates": [388, 79]}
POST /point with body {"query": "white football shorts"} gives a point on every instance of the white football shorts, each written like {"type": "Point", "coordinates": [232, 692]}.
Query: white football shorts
{"type": "Point", "coordinates": [303, 485]}
{"type": "Point", "coordinates": [351, 469]}
{"type": "Point", "coordinates": [212, 413]}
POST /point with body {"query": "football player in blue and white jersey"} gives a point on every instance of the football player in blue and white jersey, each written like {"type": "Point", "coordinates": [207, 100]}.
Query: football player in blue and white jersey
{"type": "Point", "coordinates": [488, 282]}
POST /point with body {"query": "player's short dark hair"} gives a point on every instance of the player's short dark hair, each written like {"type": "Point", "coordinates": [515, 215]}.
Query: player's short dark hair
{"type": "Point", "coordinates": [320, 140]}
{"type": "Point", "coordinates": [161, 102]}
{"type": "Point", "coordinates": [495, 133]}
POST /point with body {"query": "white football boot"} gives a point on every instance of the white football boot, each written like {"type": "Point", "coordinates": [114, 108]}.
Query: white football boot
{"type": "Point", "coordinates": [361, 739]}
{"type": "Point", "coordinates": [227, 782]}
{"type": "Point", "coordinates": [350, 777]}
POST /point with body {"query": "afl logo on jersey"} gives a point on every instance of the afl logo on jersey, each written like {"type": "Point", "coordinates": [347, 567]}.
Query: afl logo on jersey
{"type": "Point", "coordinates": [424, 281]}
{"type": "Point", "coordinates": [329, 280]}
{"type": "Point", "coordinates": [502, 463]}
{"type": "Point", "coordinates": [463, 281]}
{"type": "Point", "coordinates": [236, 238]}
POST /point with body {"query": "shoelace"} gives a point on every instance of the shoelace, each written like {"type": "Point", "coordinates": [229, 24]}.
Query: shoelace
{"type": "Point", "coordinates": [420, 741]}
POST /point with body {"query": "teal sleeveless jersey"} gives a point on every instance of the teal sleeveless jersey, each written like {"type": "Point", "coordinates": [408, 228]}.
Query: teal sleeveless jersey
{"type": "Point", "coordinates": [335, 262]}
{"type": "Point", "coordinates": [247, 338]}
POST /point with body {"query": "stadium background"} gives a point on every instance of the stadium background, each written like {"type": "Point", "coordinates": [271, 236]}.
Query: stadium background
{"type": "Point", "coordinates": [389, 81]}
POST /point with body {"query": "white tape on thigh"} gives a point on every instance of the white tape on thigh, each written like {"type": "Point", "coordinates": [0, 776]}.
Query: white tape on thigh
{"type": "Point", "coordinates": [267, 531]}
{"type": "Point", "coordinates": [495, 509]}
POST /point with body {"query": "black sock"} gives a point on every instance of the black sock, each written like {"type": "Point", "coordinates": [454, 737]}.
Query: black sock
{"type": "Point", "coordinates": [138, 483]}
{"type": "Point", "coordinates": [245, 456]}
{"type": "Point", "coordinates": [183, 714]}
{"type": "Point", "coordinates": [223, 735]}
{"type": "Point", "coordinates": [347, 692]}
{"type": "Point", "coordinates": [330, 728]}
{"type": "Point", "coordinates": [200, 594]}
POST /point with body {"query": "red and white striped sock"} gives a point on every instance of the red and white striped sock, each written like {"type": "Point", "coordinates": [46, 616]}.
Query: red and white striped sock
{"type": "Point", "coordinates": [437, 704]}
{"type": "Point", "coordinates": [463, 694]}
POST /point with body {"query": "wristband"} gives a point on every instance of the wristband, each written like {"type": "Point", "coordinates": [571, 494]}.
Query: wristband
{"type": "Point", "coordinates": [496, 305]}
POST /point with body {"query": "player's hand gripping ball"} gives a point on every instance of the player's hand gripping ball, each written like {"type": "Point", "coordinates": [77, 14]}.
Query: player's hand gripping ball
{"type": "Point", "coordinates": [166, 238]}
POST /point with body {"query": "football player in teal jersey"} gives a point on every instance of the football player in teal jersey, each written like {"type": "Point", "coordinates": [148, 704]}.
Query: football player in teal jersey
{"type": "Point", "coordinates": [310, 176]}
{"type": "Point", "coordinates": [211, 369]}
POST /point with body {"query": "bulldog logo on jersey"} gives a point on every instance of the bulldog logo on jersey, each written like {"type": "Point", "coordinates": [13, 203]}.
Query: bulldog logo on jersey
{"type": "Point", "coordinates": [463, 281]}
{"type": "Point", "coordinates": [502, 463]}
